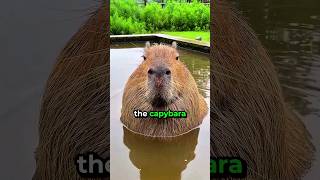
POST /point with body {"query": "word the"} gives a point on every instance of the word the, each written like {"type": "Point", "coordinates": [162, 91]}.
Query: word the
{"type": "Point", "coordinates": [228, 167]}
{"type": "Point", "coordinates": [160, 114]}
{"type": "Point", "coordinates": [92, 165]}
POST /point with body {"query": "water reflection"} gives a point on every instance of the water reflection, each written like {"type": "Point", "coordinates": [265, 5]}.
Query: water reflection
{"type": "Point", "coordinates": [291, 32]}
{"type": "Point", "coordinates": [161, 159]}
{"type": "Point", "coordinates": [199, 66]}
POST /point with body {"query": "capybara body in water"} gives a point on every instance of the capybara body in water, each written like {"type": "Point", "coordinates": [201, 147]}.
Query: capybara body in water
{"type": "Point", "coordinates": [249, 117]}
{"type": "Point", "coordinates": [162, 83]}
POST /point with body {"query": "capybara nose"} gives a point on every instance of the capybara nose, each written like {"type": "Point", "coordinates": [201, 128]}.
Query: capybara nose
{"type": "Point", "coordinates": [159, 71]}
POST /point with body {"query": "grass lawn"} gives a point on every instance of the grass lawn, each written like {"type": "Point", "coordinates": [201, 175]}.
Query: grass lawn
{"type": "Point", "coordinates": [190, 34]}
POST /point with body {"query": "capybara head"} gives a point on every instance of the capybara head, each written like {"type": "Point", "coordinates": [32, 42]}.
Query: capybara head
{"type": "Point", "coordinates": [161, 61]}
{"type": "Point", "coordinates": [162, 83]}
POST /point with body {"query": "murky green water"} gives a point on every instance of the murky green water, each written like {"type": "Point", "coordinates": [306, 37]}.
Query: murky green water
{"type": "Point", "coordinates": [290, 30]}
{"type": "Point", "coordinates": [136, 158]}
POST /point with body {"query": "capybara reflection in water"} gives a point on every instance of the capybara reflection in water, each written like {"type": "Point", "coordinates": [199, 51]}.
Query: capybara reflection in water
{"type": "Point", "coordinates": [162, 83]}
{"type": "Point", "coordinates": [249, 117]}
{"type": "Point", "coordinates": [161, 158]}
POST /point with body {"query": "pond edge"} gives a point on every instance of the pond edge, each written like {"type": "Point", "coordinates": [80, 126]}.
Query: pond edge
{"type": "Point", "coordinates": [162, 38]}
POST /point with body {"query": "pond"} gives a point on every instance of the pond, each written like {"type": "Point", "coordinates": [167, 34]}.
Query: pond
{"type": "Point", "coordinates": [185, 157]}
{"type": "Point", "coordinates": [290, 30]}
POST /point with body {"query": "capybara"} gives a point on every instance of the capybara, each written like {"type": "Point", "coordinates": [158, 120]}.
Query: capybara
{"type": "Point", "coordinates": [249, 117]}
{"type": "Point", "coordinates": [74, 115]}
{"type": "Point", "coordinates": [161, 83]}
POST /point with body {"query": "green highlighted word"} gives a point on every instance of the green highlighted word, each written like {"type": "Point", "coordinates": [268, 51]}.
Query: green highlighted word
{"type": "Point", "coordinates": [228, 167]}
{"type": "Point", "coordinates": [167, 114]}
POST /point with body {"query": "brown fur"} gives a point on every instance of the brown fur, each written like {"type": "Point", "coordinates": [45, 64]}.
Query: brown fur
{"type": "Point", "coordinates": [136, 91]}
{"type": "Point", "coordinates": [75, 107]}
{"type": "Point", "coordinates": [248, 115]}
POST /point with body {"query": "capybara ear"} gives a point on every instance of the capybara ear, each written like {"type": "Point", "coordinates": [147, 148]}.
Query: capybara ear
{"type": "Point", "coordinates": [174, 44]}
{"type": "Point", "coordinates": [147, 44]}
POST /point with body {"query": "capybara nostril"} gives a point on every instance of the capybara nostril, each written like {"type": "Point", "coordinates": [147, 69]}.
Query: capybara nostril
{"type": "Point", "coordinates": [159, 71]}
{"type": "Point", "coordinates": [150, 71]}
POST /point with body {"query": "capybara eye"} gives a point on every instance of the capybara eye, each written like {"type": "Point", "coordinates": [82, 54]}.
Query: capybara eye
{"type": "Point", "coordinates": [168, 72]}
{"type": "Point", "coordinates": [150, 71]}
{"type": "Point", "coordinates": [177, 58]}
{"type": "Point", "coordinates": [144, 58]}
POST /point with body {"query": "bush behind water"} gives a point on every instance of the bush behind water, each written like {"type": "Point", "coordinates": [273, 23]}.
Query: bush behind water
{"type": "Point", "coordinates": [127, 17]}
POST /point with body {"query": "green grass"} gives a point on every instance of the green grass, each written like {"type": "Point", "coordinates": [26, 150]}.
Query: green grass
{"type": "Point", "coordinates": [205, 35]}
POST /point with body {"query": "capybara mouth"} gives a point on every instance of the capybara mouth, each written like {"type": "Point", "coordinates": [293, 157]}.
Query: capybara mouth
{"type": "Point", "coordinates": [161, 102]}
{"type": "Point", "coordinates": [160, 97]}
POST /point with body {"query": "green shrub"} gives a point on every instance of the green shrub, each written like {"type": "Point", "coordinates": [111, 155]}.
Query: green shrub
{"type": "Point", "coordinates": [125, 8]}
{"type": "Point", "coordinates": [127, 17]}
{"type": "Point", "coordinates": [152, 15]}
{"type": "Point", "coordinates": [121, 25]}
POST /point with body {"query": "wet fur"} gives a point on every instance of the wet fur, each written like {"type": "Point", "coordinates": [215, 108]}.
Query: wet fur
{"type": "Point", "coordinates": [249, 117]}
{"type": "Point", "coordinates": [137, 93]}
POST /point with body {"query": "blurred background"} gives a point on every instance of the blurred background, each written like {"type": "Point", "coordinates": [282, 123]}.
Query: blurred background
{"type": "Point", "coordinates": [32, 33]}
{"type": "Point", "coordinates": [290, 30]}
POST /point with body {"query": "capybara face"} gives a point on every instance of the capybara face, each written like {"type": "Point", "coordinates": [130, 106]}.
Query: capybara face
{"type": "Point", "coordinates": [161, 61]}
{"type": "Point", "coordinates": [162, 83]}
